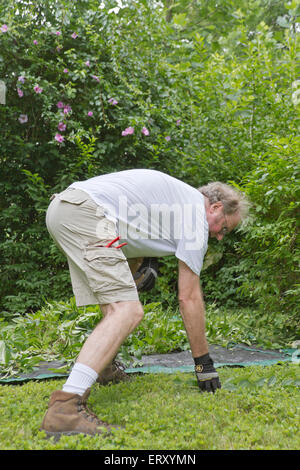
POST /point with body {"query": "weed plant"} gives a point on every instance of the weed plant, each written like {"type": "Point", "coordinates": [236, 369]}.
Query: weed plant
{"type": "Point", "coordinates": [58, 330]}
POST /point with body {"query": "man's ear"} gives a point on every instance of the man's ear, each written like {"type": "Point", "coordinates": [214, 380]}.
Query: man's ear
{"type": "Point", "coordinates": [215, 206]}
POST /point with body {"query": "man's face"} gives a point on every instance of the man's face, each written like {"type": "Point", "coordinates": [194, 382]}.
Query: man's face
{"type": "Point", "coordinates": [220, 224]}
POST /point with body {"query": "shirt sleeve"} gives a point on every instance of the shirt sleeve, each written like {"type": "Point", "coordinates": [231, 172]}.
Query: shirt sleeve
{"type": "Point", "coordinates": [192, 258]}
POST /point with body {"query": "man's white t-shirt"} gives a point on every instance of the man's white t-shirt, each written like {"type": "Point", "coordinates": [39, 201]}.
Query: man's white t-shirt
{"type": "Point", "coordinates": [155, 214]}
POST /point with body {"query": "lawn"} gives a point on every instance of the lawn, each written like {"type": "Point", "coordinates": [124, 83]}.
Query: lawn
{"type": "Point", "coordinates": [257, 408]}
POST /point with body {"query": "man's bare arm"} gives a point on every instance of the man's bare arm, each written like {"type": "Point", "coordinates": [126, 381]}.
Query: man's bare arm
{"type": "Point", "coordinates": [192, 309]}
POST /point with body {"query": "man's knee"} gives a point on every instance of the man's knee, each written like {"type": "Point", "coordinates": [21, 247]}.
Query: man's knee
{"type": "Point", "coordinates": [132, 308]}
{"type": "Point", "coordinates": [135, 310]}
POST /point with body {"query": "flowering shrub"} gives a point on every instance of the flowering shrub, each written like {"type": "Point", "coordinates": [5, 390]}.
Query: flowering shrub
{"type": "Point", "coordinates": [80, 101]}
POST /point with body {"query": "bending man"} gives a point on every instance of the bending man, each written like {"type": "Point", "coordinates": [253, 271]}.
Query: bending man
{"type": "Point", "coordinates": [101, 223]}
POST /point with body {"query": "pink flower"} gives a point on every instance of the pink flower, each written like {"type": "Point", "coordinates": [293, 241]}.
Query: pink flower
{"type": "Point", "coordinates": [23, 118]}
{"type": "Point", "coordinates": [58, 33]}
{"type": "Point", "coordinates": [74, 35]}
{"type": "Point", "coordinates": [67, 109]}
{"type": "Point", "coordinates": [4, 28]}
{"type": "Point", "coordinates": [168, 138]}
{"type": "Point", "coordinates": [128, 131]}
{"type": "Point", "coordinates": [66, 71]}
{"type": "Point", "coordinates": [60, 105]}
{"type": "Point", "coordinates": [96, 78]}
{"type": "Point", "coordinates": [145, 131]}
{"type": "Point", "coordinates": [61, 126]}
{"type": "Point", "coordinates": [90, 113]}
{"type": "Point", "coordinates": [38, 89]}
{"type": "Point", "coordinates": [20, 92]}
{"type": "Point", "coordinates": [59, 137]}
{"type": "Point", "coordinates": [21, 79]}
{"type": "Point", "coordinates": [178, 122]}
{"type": "Point", "coordinates": [112, 101]}
{"type": "Point", "coordinates": [35, 42]}
{"type": "Point", "coordinates": [87, 63]}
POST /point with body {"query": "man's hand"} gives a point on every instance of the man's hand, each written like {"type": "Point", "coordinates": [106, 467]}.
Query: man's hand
{"type": "Point", "coordinates": [207, 376]}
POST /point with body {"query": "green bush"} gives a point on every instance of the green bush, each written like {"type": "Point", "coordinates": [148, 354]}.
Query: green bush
{"type": "Point", "coordinates": [270, 247]}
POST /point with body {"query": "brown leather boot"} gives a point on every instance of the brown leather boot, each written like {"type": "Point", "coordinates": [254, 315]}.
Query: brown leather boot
{"type": "Point", "coordinates": [113, 373]}
{"type": "Point", "coordinates": [68, 414]}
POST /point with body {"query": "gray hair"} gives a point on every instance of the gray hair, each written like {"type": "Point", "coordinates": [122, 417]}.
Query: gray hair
{"type": "Point", "coordinates": [232, 199]}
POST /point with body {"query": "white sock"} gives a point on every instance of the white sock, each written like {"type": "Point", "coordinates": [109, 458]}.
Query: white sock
{"type": "Point", "coordinates": [80, 379]}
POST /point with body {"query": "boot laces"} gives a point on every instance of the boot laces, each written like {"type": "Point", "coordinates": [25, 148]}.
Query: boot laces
{"type": "Point", "coordinates": [86, 412]}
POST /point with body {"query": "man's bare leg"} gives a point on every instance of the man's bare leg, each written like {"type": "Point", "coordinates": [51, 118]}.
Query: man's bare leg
{"type": "Point", "coordinates": [67, 412]}
{"type": "Point", "coordinates": [120, 319]}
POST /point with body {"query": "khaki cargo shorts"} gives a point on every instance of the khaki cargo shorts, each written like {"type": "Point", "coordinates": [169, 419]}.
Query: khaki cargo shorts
{"type": "Point", "coordinates": [79, 227]}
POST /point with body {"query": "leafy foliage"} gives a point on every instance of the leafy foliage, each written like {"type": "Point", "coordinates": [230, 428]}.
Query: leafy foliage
{"type": "Point", "coordinates": [58, 330]}
{"type": "Point", "coordinates": [272, 241]}
{"type": "Point", "coordinates": [208, 92]}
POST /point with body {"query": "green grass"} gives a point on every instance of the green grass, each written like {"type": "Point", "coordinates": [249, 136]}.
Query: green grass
{"type": "Point", "coordinates": [257, 408]}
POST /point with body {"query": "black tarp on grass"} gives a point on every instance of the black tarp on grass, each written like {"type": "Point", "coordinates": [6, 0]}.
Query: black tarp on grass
{"type": "Point", "coordinates": [236, 356]}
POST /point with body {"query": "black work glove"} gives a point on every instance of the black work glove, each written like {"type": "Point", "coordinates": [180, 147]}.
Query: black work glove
{"type": "Point", "coordinates": [207, 376]}
{"type": "Point", "coordinates": [146, 275]}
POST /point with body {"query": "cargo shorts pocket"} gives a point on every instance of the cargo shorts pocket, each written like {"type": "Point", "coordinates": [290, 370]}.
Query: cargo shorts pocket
{"type": "Point", "coordinates": [107, 269]}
